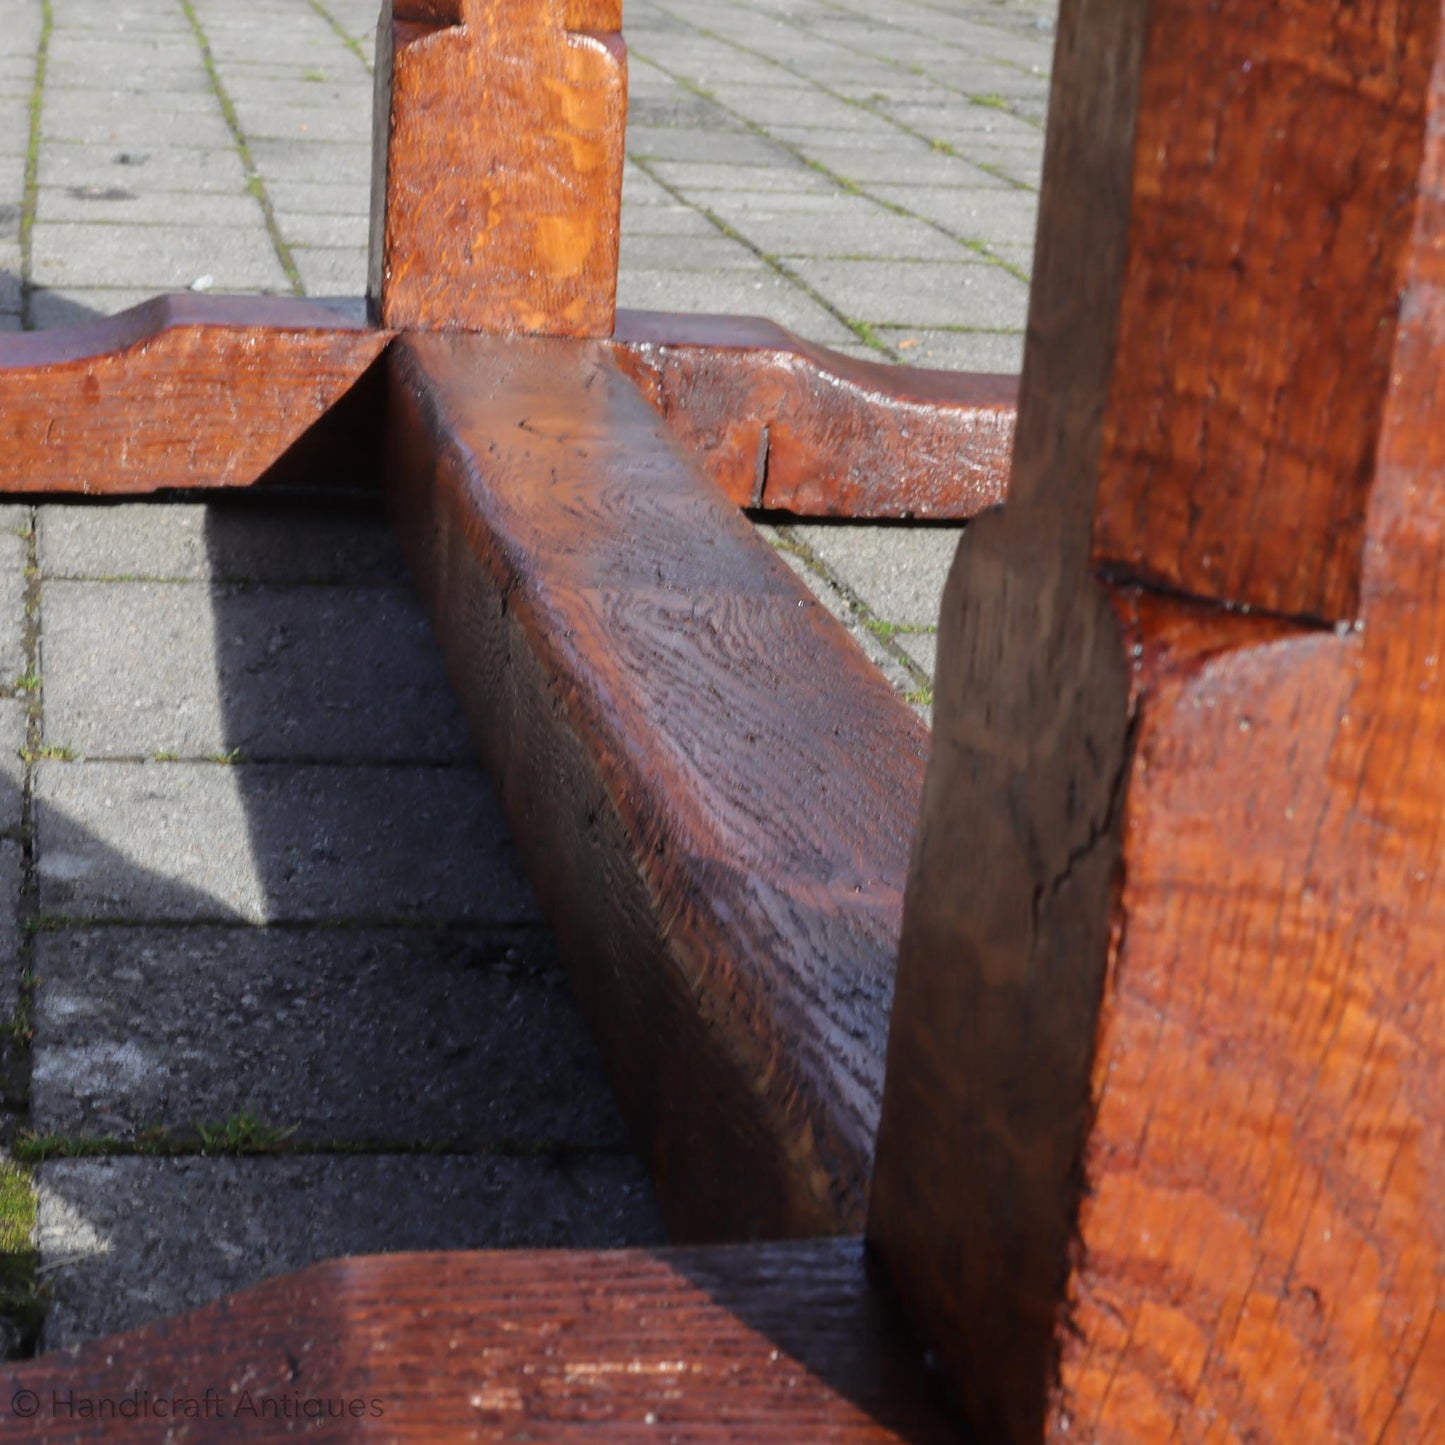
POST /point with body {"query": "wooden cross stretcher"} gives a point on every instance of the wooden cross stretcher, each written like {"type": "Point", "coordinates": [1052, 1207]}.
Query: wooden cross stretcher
{"type": "Point", "coordinates": [1160, 1142]}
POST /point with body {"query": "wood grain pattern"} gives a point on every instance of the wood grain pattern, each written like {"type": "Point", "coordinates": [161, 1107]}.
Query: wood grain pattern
{"type": "Point", "coordinates": [778, 422]}
{"type": "Point", "coordinates": [779, 1343]}
{"type": "Point", "coordinates": [1187, 1132]}
{"type": "Point", "coordinates": [726, 883]}
{"type": "Point", "coordinates": [182, 391]}
{"type": "Point", "coordinates": [497, 165]}
{"type": "Point", "coordinates": [1277, 156]}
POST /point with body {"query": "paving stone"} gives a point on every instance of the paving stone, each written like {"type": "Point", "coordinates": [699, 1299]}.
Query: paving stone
{"type": "Point", "coordinates": [920, 293]}
{"type": "Point", "coordinates": [995, 351]}
{"type": "Point", "coordinates": [263, 843]}
{"type": "Point", "coordinates": [308, 229]}
{"type": "Point", "coordinates": [862, 229]}
{"type": "Point", "coordinates": [735, 293]}
{"type": "Point", "coordinates": [462, 1039]}
{"type": "Point", "coordinates": [79, 116]}
{"type": "Point", "coordinates": [1008, 217]}
{"type": "Point", "coordinates": [217, 542]}
{"type": "Point", "coordinates": [336, 118]}
{"type": "Point", "coordinates": [331, 270]}
{"type": "Point", "coordinates": [147, 168]}
{"type": "Point", "coordinates": [668, 220]}
{"type": "Point", "coordinates": [909, 162]}
{"type": "Point", "coordinates": [652, 254]}
{"type": "Point", "coordinates": [75, 305]}
{"type": "Point", "coordinates": [312, 160]}
{"type": "Point", "coordinates": [128, 1240]}
{"type": "Point", "coordinates": [696, 177]}
{"type": "Point", "coordinates": [117, 203]}
{"type": "Point", "coordinates": [899, 570]}
{"type": "Point", "coordinates": [732, 146]}
{"type": "Point", "coordinates": [922, 647]}
{"type": "Point", "coordinates": [12, 956]}
{"type": "Point", "coordinates": [344, 196]}
{"type": "Point", "coordinates": [14, 717]}
{"type": "Point", "coordinates": [134, 669]}
{"type": "Point", "coordinates": [162, 257]}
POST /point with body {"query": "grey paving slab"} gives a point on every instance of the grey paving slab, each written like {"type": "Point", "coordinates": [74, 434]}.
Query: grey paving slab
{"type": "Point", "coordinates": [302, 159]}
{"type": "Point", "coordinates": [147, 168]}
{"type": "Point", "coordinates": [72, 305]}
{"type": "Point", "coordinates": [261, 843]}
{"type": "Point", "coordinates": [1006, 216]}
{"type": "Point", "coordinates": [402, 1038]}
{"type": "Point", "coordinates": [899, 570]}
{"type": "Point", "coordinates": [694, 177]}
{"type": "Point", "coordinates": [652, 254]}
{"type": "Point", "coordinates": [922, 647]}
{"type": "Point", "coordinates": [331, 270]}
{"type": "Point", "coordinates": [307, 228]}
{"type": "Point", "coordinates": [346, 195]}
{"type": "Point", "coordinates": [118, 203]}
{"type": "Point", "coordinates": [12, 955]}
{"type": "Point", "coordinates": [161, 257]}
{"type": "Point", "coordinates": [133, 669]}
{"type": "Point", "coordinates": [858, 227]}
{"type": "Point", "coordinates": [920, 293]}
{"type": "Point", "coordinates": [740, 294]}
{"type": "Point", "coordinates": [997, 351]}
{"type": "Point", "coordinates": [184, 121]}
{"type": "Point", "coordinates": [218, 543]}
{"type": "Point", "coordinates": [129, 1240]}
{"type": "Point", "coordinates": [14, 717]}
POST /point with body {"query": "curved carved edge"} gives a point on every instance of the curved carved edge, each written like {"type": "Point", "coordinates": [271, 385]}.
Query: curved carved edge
{"type": "Point", "coordinates": [180, 392]}
{"type": "Point", "coordinates": [785, 424]}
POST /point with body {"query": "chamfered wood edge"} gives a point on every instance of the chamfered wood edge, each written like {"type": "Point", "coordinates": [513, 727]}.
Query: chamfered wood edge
{"type": "Point", "coordinates": [785, 424]}
{"type": "Point", "coordinates": [726, 886]}
{"type": "Point", "coordinates": [780, 1343]}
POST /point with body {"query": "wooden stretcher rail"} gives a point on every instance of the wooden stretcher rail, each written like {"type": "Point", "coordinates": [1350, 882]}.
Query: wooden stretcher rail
{"type": "Point", "coordinates": [215, 391]}
{"type": "Point", "coordinates": [183, 391]}
{"type": "Point", "coordinates": [713, 788]}
{"type": "Point", "coordinates": [774, 1344]}
{"type": "Point", "coordinates": [781, 423]}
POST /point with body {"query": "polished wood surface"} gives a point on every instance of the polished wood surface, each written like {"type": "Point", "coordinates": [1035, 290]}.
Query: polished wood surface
{"type": "Point", "coordinates": [777, 1344]}
{"type": "Point", "coordinates": [497, 165]}
{"type": "Point", "coordinates": [183, 391]}
{"type": "Point", "coordinates": [725, 882]}
{"type": "Point", "coordinates": [1169, 1015]}
{"type": "Point", "coordinates": [784, 424]}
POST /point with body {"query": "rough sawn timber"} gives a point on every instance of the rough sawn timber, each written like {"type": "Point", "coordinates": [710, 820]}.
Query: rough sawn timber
{"type": "Point", "coordinates": [774, 1344]}
{"type": "Point", "coordinates": [713, 788]}
{"type": "Point", "coordinates": [182, 391]}
{"type": "Point", "coordinates": [784, 424]}
{"type": "Point", "coordinates": [1170, 1010]}
{"type": "Point", "coordinates": [497, 165]}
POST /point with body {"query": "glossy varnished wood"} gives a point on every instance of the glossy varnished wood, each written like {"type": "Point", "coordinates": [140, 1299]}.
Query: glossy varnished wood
{"type": "Point", "coordinates": [1169, 1014]}
{"type": "Point", "coordinates": [497, 165]}
{"type": "Point", "coordinates": [725, 878]}
{"type": "Point", "coordinates": [1274, 174]}
{"type": "Point", "coordinates": [183, 391]}
{"type": "Point", "coordinates": [782, 423]}
{"type": "Point", "coordinates": [776, 1344]}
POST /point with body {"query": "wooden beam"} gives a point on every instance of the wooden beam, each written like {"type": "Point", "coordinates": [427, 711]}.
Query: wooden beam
{"type": "Point", "coordinates": [183, 391]}
{"type": "Point", "coordinates": [713, 788]}
{"type": "Point", "coordinates": [781, 423]}
{"type": "Point", "coordinates": [774, 1344]}
{"type": "Point", "coordinates": [497, 165]}
{"type": "Point", "coordinates": [1169, 1011]}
